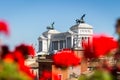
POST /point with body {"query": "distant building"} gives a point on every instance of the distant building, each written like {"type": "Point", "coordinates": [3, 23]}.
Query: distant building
{"type": "Point", "coordinates": [31, 62]}
{"type": "Point", "coordinates": [52, 40]}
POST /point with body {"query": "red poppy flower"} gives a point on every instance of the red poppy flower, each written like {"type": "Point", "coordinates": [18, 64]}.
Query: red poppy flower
{"type": "Point", "coordinates": [4, 27]}
{"type": "Point", "coordinates": [65, 58]}
{"type": "Point", "coordinates": [99, 46]}
{"type": "Point", "coordinates": [25, 50]}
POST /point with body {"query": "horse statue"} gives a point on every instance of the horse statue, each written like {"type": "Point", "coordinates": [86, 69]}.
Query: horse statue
{"type": "Point", "coordinates": [51, 27]}
{"type": "Point", "coordinates": [81, 20]}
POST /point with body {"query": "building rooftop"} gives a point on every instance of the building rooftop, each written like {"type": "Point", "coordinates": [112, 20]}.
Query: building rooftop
{"type": "Point", "coordinates": [81, 26]}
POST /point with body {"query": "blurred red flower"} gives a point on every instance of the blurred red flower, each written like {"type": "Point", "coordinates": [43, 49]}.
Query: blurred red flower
{"type": "Point", "coordinates": [4, 50]}
{"type": "Point", "coordinates": [65, 58]}
{"type": "Point", "coordinates": [25, 50]}
{"type": "Point", "coordinates": [26, 70]}
{"type": "Point", "coordinates": [55, 76]}
{"type": "Point", "coordinates": [19, 58]}
{"type": "Point", "coordinates": [8, 58]}
{"type": "Point", "coordinates": [48, 75]}
{"type": "Point", "coordinates": [99, 46]}
{"type": "Point", "coordinates": [4, 27]}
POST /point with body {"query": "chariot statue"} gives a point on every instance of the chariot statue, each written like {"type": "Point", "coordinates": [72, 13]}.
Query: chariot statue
{"type": "Point", "coordinates": [81, 20]}
{"type": "Point", "coordinates": [51, 27]}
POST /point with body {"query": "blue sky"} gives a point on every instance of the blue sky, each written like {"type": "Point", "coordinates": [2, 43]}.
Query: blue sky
{"type": "Point", "coordinates": [29, 18]}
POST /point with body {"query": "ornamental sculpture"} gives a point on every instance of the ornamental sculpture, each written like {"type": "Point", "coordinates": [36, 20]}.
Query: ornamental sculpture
{"type": "Point", "coordinates": [51, 27]}
{"type": "Point", "coordinates": [81, 20]}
